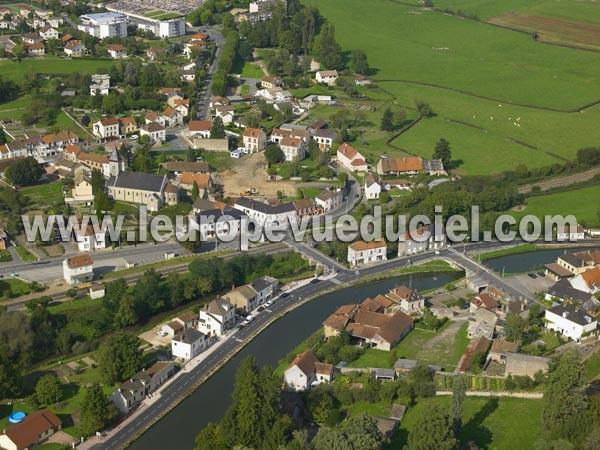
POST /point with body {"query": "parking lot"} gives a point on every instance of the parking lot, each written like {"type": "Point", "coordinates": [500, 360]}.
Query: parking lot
{"type": "Point", "coordinates": [154, 339]}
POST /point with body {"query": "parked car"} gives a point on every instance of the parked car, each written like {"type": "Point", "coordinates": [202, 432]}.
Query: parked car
{"type": "Point", "coordinates": [532, 275]}
{"type": "Point", "coordinates": [161, 333]}
{"type": "Point", "coordinates": [261, 309]}
{"type": "Point", "coordinates": [314, 281]}
{"type": "Point", "coordinates": [541, 274]}
{"type": "Point", "coordinates": [269, 303]}
{"type": "Point", "coordinates": [284, 295]}
{"type": "Point", "coordinates": [249, 318]}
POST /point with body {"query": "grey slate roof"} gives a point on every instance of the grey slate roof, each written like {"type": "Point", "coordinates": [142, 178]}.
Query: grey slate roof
{"type": "Point", "coordinates": [574, 313]}
{"type": "Point", "coordinates": [264, 207]}
{"type": "Point", "coordinates": [191, 335]}
{"type": "Point", "coordinates": [570, 258]}
{"type": "Point", "coordinates": [564, 291]}
{"type": "Point", "coordinates": [137, 180]}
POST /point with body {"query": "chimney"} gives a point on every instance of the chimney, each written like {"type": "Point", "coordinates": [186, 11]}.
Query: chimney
{"type": "Point", "coordinates": [565, 314]}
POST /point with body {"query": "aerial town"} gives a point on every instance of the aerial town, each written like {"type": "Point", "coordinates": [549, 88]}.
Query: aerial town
{"type": "Point", "coordinates": [235, 145]}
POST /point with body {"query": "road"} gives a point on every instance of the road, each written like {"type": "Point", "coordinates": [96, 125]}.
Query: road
{"type": "Point", "coordinates": [203, 88]}
{"type": "Point", "coordinates": [544, 185]}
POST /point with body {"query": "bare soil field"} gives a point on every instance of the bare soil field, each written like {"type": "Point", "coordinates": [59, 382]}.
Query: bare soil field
{"type": "Point", "coordinates": [250, 172]}
{"type": "Point", "coordinates": [553, 30]}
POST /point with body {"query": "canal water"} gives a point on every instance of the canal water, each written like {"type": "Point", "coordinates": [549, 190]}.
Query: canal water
{"type": "Point", "coordinates": [208, 403]}
{"type": "Point", "coordinates": [178, 429]}
{"type": "Point", "coordinates": [529, 261]}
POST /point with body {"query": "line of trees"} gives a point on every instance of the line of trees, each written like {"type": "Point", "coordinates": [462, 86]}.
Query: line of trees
{"type": "Point", "coordinates": [226, 61]}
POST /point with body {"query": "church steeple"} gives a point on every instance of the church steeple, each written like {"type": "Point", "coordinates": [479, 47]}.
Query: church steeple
{"type": "Point", "coordinates": [115, 163]}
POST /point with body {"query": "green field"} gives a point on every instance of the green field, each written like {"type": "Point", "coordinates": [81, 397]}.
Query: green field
{"type": "Point", "coordinates": [492, 423]}
{"type": "Point", "coordinates": [246, 69]}
{"type": "Point", "coordinates": [576, 202]}
{"type": "Point", "coordinates": [25, 254]}
{"type": "Point", "coordinates": [43, 194]}
{"type": "Point", "coordinates": [53, 65]}
{"type": "Point", "coordinates": [13, 287]}
{"type": "Point", "coordinates": [501, 99]}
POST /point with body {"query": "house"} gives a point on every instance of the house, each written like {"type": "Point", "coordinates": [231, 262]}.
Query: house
{"type": "Point", "coordinates": [266, 215]}
{"type": "Point", "coordinates": [410, 166]}
{"type": "Point", "coordinates": [199, 129]}
{"type": "Point", "coordinates": [34, 429]}
{"type": "Point", "coordinates": [37, 49]}
{"type": "Point", "coordinates": [218, 101]}
{"type": "Point", "coordinates": [243, 297]}
{"type": "Point", "coordinates": [155, 131]}
{"type": "Point", "coordinates": [351, 159]}
{"type": "Point", "coordinates": [324, 138]}
{"type": "Point", "coordinates": [117, 51]}
{"type": "Point", "coordinates": [187, 75]}
{"type": "Point", "coordinates": [424, 238]}
{"type": "Point", "coordinates": [306, 371]}
{"type": "Point", "coordinates": [135, 390]}
{"type": "Point", "coordinates": [202, 180]}
{"type": "Point", "coordinates": [89, 239]}
{"type": "Point", "coordinates": [98, 291]}
{"type": "Point", "coordinates": [217, 317]}
{"type": "Point", "coordinates": [567, 232]}
{"type": "Point", "coordinates": [485, 301]}
{"type": "Point", "coordinates": [307, 207]}
{"type": "Point", "coordinates": [264, 287]}
{"type": "Point", "coordinates": [188, 319]}
{"type": "Point", "coordinates": [32, 38]}
{"type": "Point", "coordinates": [106, 128]}
{"type": "Point", "coordinates": [271, 82]}
{"type": "Point", "coordinates": [588, 281]}
{"type": "Point", "coordinates": [482, 324]}
{"type": "Point", "coordinates": [216, 220]}
{"type": "Point", "coordinates": [95, 161]}
{"type": "Point", "coordinates": [361, 80]}
{"type": "Point", "coordinates": [407, 298]}
{"type": "Point", "coordinates": [47, 32]}
{"type": "Point", "coordinates": [74, 48]}
{"type": "Point", "coordinates": [293, 148]}
{"type": "Point", "coordinates": [78, 269]}
{"type": "Point", "coordinates": [189, 344]}
{"type": "Point", "coordinates": [226, 113]}
{"type": "Point", "coordinates": [172, 328]}
{"type": "Point", "coordinates": [153, 52]}
{"type": "Point", "coordinates": [172, 117]}
{"type": "Point", "coordinates": [100, 84]}
{"type": "Point", "coordinates": [572, 263]}
{"type": "Point", "coordinates": [328, 77]}
{"type": "Point", "coordinates": [361, 252]}
{"type": "Point", "coordinates": [557, 272]}
{"type": "Point", "coordinates": [563, 291]}
{"type": "Point", "coordinates": [182, 105]}
{"type": "Point", "coordinates": [570, 320]}
{"type": "Point", "coordinates": [329, 199]}
{"type": "Point", "coordinates": [369, 328]}
{"type": "Point", "coordinates": [372, 187]}
{"type": "Point", "coordinates": [254, 139]}
{"type": "Point", "coordinates": [127, 125]}
{"type": "Point", "coordinates": [278, 134]}
{"type": "Point", "coordinates": [500, 349]}
{"type": "Point", "coordinates": [153, 191]}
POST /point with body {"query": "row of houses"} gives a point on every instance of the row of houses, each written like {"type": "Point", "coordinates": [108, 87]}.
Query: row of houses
{"type": "Point", "coordinates": [47, 145]}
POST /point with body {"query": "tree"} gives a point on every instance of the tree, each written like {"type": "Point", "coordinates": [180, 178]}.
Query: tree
{"type": "Point", "coordinates": [422, 381]}
{"type": "Point", "coordinates": [387, 121]}
{"type": "Point", "coordinates": [113, 103]}
{"type": "Point", "coordinates": [119, 357]}
{"type": "Point", "coordinates": [97, 181]}
{"type": "Point", "coordinates": [424, 109]}
{"type": "Point", "coordinates": [360, 63]}
{"type": "Point", "coordinates": [24, 171]}
{"type": "Point", "coordinates": [327, 49]}
{"type": "Point", "coordinates": [342, 177]}
{"type": "Point", "coordinates": [85, 120]}
{"type": "Point", "coordinates": [211, 438]}
{"type": "Point", "coordinates": [190, 155]}
{"type": "Point", "coordinates": [356, 433]}
{"type": "Point", "coordinates": [514, 327]}
{"type": "Point", "coordinates": [442, 151]}
{"type": "Point", "coordinates": [589, 156]}
{"type": "Point", "coordinates": [564, 397]}
{"type": "Point", "coordinates": [459, 389]}
{"type": "Point", "coordinates": [432, 430]}
{"type": "Point", "coordinates": [274, 154]}
{"type": "Point", "coordinates": [3, 138]}
{"type": "Point", "coordinates": [217, 130]}
{"type": "Point", "coordinates": [48, 390]}
{"type": "Point", "coordinates": [95, 411]}
{"type": "Point", "coordinates": [19, 52]}
{"type": "Point", "coordinates": [10, 376]}
{"type": "Point", "coordinates": [195, 191]}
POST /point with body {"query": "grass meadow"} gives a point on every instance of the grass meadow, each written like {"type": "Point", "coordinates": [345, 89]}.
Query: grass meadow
{"type": "Point", "coordinates": [470, 56]}
{"type": "Point", "coordinates": [52, 65]}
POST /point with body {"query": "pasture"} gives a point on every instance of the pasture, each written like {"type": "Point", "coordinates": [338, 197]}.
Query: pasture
{"type": "Point", "coordinates": [582, 203]}
{"type": "Point", "coordinates": [465, 55]}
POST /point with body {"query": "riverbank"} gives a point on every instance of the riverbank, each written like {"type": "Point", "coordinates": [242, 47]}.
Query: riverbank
{"type": "Point", "coordinates": [482, 257]}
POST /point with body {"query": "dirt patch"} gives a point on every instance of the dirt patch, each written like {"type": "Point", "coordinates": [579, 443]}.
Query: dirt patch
{"type": "Point", "coordinates": [250, 172]}
{"type": "Point", "coordinates": [553, 30]}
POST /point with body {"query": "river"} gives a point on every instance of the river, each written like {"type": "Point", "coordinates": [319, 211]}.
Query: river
{"type": "Point", "coordinates": [179, 427]}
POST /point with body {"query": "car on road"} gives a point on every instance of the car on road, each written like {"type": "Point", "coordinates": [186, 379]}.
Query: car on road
{"type": "Point", "coordinates": [269, 303]}
{"type": "Point", "coordinates": [261, 309]}
{"type": "Point", "coordinates": [532, 275]}
{"type": "Point", "coordinates": [314, 281]}
{"type": "Point", "coordinates": [249, 319]}
{"type": "Point", "coordinates": [284, 295]}
{"type": "Point", "coordinates": [162, 333]}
